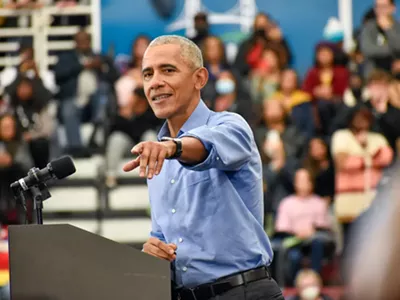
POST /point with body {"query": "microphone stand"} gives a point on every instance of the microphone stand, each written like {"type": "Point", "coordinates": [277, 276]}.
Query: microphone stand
{"type": "Point", "coordinates": [39, 193]}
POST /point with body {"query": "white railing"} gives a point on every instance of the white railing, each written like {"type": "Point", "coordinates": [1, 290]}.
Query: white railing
{"type": "Point", "coordinates": [40, 30]}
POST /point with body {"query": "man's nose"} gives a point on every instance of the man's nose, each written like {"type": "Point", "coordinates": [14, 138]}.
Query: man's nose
{"type": "Point", "coordinates": [156, 81]}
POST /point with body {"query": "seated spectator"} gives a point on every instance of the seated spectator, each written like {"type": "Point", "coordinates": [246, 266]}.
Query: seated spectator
{"type": "Point", "coordinates": [132, 77]}
{"type": "Point", "coordinates": [266, 77]}
{"type": "Point", "coordinates": [265, 33]}
{"type": "Point", "coordinates": [355, 93]}
{"type": "Point", "coordinates": [309, 286]}
{"type": "Point", "coordinates": [29, 101]}
{"type": "Point", "coordinates": [14, 162]}
{"type": "Point", "coordinates": [201, 26]}
{"type": "Point", "coordinates": [228, 98]}
{"type": "Point", "coordinates": [320, 166]}
{"type": "Point", "coordinates": [27, 68]}
{"type": "Point", "coordinates": [360, 157]}
{"type": "Point", "coordinates": [387, 115]}
{"type": "Point", "coordinates": [281, 146]}
{"type": "Point", "coordinates": [134, 61]}
{"type": "Point", "coordinates": [305, 216]}
{"type": "Point", "coordinates": [84, 79]}
{"type": "Point", "coordinates": [379, 39]}
{"type": "Point", "coordinates": [134, 120]}
{"type": "Point", "coordinates": [297, 103]}
{"type": "Point", "coordinates": [326, 83]}
{"type": "Point", "coordinates": [379, 102]}
{"type": "Point", "coordinates": [333, 33]}
{"type": "Point", "coordinates": [215, 61]}
{"type": "Point", "coordinates": [395, 85]}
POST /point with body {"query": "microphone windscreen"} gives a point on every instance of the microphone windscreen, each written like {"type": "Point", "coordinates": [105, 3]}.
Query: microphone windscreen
{"type": "Point", "coordinates": [62, 167]}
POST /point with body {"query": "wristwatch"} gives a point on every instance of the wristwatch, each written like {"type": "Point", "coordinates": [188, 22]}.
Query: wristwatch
{"type": "Point", "coordinates": [178, 143]}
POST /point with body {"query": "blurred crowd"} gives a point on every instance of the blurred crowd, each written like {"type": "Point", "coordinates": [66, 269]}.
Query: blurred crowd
{"type": "Point", "coordinates": [325, 137]}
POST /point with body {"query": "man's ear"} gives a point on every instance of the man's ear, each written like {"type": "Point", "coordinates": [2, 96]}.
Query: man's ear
{"type": "Point", "coordinates": [201, 78]}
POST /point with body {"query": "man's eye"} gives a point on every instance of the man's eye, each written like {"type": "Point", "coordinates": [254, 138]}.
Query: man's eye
{"type": "Point", "coordinates": [146, 75]}
{"type": "Point", "coordinates": [169, 70]}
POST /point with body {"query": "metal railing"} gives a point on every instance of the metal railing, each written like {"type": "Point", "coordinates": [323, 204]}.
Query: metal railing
{"type": "Point", "coordinates": [40, 29]}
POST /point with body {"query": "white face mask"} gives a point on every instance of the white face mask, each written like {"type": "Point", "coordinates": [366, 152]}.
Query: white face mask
{"type": "Point", "coordinates": [310, 293]}
{"type": "Point", "coordinates": [30, 74]}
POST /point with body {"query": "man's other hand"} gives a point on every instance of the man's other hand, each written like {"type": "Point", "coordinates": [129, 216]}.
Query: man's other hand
{"type": "Point", "coordinates": [159, 249]}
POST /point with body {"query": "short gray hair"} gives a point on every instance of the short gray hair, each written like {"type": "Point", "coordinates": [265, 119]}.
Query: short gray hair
{"type": "Point", "coordinates": [190, 52]}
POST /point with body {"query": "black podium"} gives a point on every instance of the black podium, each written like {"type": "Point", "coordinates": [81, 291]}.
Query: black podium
{"type": "Point", "coordinates": [62, 262]}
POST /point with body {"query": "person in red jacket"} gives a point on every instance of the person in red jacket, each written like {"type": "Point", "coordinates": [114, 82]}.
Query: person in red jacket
{"type": "Point", "coordinates": [326, 82]}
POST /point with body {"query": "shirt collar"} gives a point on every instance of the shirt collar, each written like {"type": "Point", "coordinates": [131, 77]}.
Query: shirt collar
{"type": "Point", "coordinates": [198, 118]}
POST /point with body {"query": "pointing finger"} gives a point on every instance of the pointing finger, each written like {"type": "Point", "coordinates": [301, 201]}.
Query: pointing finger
{"type": "Point", "coordinates": [133, 164]}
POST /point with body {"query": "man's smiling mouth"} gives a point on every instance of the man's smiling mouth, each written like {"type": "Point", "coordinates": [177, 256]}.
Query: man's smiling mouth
{"type": "Point", "coordinates": [160, 97]}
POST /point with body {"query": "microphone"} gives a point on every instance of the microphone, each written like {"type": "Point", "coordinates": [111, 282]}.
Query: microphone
{"type": "Point", "coordinates": [56, 169]}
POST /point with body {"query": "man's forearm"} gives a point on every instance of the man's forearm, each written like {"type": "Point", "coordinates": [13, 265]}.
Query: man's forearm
{"type": "Point", "coordinates": [193, 150]}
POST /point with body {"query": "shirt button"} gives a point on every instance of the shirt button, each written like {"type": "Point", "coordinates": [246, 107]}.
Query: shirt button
{"type": "Point", "coordinates": [173, 210]}
{"type": "Point", "coordinates": [180, 240]}
{"type": "Point", "coordinates": [217, 158]}
{"type": "Point", "coordinates": [184, 269]}
{"type": "Point", "coordinates": [172, 181]}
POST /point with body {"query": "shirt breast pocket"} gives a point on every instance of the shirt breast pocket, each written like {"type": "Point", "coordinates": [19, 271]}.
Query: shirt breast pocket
{"type": "Point", "coordinates": [192, 178]}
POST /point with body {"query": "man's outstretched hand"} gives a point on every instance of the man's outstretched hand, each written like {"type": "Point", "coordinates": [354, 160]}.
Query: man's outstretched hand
{"type": "Point", "coordinates": [159, 249]}
{"type": "Point", "coordinates": [151, 156]}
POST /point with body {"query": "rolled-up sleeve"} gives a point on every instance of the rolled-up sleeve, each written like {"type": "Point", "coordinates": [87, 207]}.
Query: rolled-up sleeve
{"type": "Point", "coordinates": [229, 143]}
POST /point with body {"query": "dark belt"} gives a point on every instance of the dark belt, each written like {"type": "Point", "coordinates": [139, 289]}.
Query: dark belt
{"type": "Point", "coordinates": [222, 285]}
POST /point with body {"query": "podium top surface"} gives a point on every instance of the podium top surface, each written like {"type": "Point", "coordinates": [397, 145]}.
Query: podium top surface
{"type": "Point", "coordinates": [57, 262]}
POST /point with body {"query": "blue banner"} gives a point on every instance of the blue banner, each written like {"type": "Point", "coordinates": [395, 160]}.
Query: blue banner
{"type": "Point", "coordinates": [302, 21]}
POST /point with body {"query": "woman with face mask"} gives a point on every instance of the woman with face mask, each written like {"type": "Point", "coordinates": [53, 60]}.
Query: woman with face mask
{"type": "Point", "coordinates": [225, 87]}
{"type": "Point", "coordinates": [227, 99]}
{"type": "Point", "coordinates": [308, 286]}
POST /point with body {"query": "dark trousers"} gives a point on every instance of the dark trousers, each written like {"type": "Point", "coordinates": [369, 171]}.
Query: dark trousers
{"type": "Point", "coordinates": [265, 289]}
{"type": "Point", "coordinates": [327, 111]}
{"type": "Point", "coordinates": [316, 249]}
{"type": "Point", "coordinates": [261, 289]}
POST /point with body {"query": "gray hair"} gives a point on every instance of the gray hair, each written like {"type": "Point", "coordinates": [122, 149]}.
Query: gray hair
{"type": "Point", "coordinates": [190, 52]}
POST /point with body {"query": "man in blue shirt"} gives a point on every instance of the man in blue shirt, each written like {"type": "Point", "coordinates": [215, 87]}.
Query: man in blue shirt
{"type": "Point", "coordinates": [205, 184]}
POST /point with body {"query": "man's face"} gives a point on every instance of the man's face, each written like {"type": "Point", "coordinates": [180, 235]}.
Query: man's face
{"type": "Point", "coordinates": [201, 25]}
{"type": "Point", "coordinates": [378, 90]}
{"type": "Point", "coordinates": [262, 23]}
{"type": "Point", "coordinates": [82, 40]}
{"type": "Point", "coordinates": [384, 8]}
{"type": "Point", "coordinates": [169, 81]}
{"type": "Point", "coordinates": [24, 91]}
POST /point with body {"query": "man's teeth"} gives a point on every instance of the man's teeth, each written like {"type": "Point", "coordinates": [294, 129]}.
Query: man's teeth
{"type": "Point", "coordinates": [161, 97]}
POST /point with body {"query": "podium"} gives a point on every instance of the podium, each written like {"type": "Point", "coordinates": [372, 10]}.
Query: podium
{"type": "Point", "coordinates": [62, 262]}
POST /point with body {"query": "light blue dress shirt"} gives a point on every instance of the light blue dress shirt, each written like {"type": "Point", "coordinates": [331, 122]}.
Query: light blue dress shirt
{"type": "Point", "coordinates": [212, 211]}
